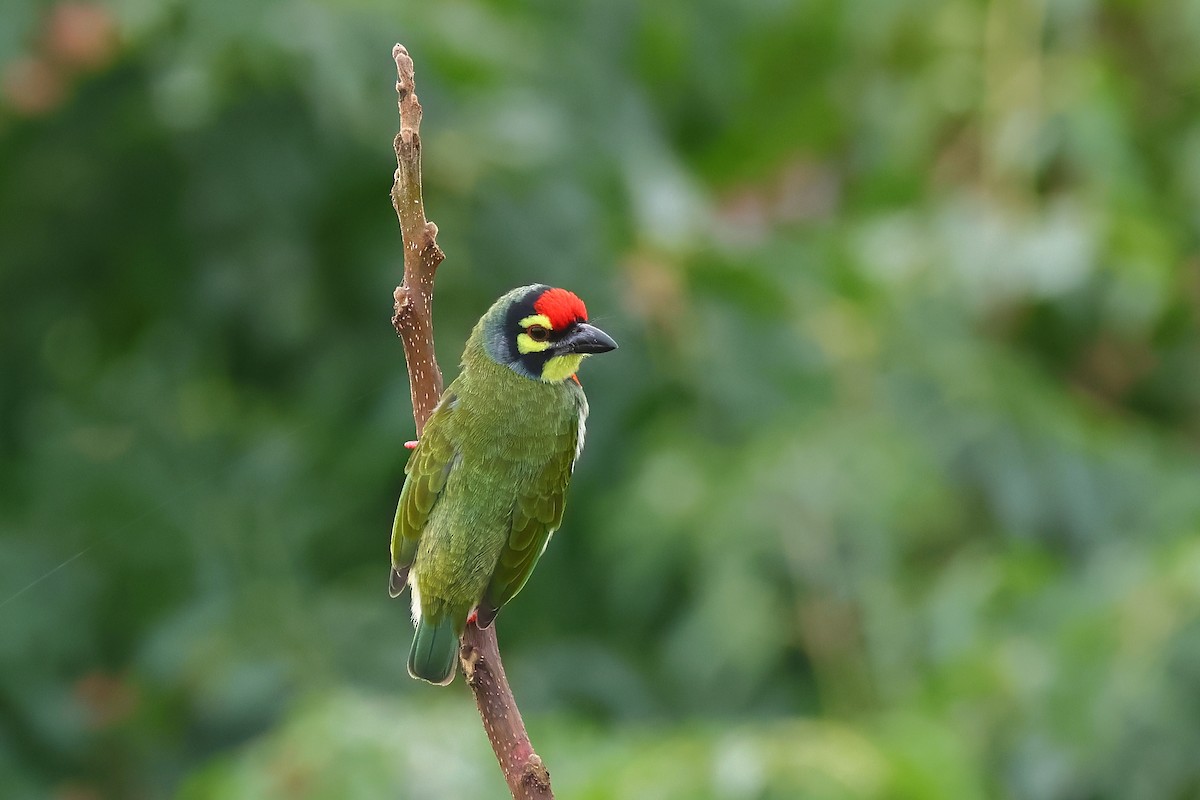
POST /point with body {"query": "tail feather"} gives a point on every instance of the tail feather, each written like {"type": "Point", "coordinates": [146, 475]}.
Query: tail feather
{"type": "Point", "coordinates": [398, 580]}
{"type": "Point", "coordinates": [434, 653]}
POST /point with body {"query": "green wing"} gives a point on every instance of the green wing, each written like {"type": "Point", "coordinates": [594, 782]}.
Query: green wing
{"type": "Point", "coordinates": [428, 468]}
{"type": "Point", "coordinates": [536, 515]}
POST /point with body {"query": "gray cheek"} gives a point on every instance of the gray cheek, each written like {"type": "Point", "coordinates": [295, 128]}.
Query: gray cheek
{"type": "Point", "coordinates": [498, 348]}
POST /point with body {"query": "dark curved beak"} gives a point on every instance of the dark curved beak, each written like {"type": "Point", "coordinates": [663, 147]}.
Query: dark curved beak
{"type": "Point", "coordinates": [587, 339]}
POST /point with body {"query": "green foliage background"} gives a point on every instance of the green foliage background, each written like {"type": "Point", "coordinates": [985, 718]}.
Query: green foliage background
{"type": "Point", "coordinates": [891, 492]}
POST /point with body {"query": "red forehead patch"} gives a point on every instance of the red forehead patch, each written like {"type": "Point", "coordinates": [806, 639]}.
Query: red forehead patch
{"type": "Point", "coordinates": [560, 307]}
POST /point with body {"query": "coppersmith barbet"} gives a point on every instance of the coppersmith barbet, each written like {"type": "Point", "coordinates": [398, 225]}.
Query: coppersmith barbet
{"type": "Point", "coordinates": [486, 482]}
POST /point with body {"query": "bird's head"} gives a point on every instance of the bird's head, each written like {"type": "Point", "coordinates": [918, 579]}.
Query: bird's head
{"type": "Point", "coordinates": [541, 333]}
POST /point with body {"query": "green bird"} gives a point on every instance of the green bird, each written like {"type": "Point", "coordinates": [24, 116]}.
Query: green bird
{"type": "Point", "coordinates": [486, 483]}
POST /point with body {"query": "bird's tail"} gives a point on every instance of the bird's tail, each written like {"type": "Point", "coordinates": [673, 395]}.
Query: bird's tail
{"type": "Point", "coordinates": [434, 653]}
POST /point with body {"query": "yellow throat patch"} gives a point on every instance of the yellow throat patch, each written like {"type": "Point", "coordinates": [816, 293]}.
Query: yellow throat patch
{"type": "Point", "coordinates": [560, 368]}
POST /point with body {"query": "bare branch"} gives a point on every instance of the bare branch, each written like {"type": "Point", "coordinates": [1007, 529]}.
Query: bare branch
{"type": "Point", "coordinates": [413, 317]}
{"type": "Point", "coordinates": [527, 776]}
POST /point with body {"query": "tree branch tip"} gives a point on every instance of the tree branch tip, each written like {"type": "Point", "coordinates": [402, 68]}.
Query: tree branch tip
{"type": "Point", "coordinates": [404, 62]}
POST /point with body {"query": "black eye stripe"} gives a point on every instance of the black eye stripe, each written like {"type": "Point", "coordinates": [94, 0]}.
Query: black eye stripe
{"type": "Point", "coordinates": [519, 310]}
{"type": "Point", "coordinates": [523, 308]}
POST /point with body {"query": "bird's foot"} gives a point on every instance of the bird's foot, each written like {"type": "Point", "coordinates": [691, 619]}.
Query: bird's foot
{"type": "Point", "coordinates": [411, 445]}
{"type": "Point", "coordinates": [473, 616]}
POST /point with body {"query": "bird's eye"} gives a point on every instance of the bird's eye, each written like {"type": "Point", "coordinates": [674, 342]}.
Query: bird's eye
{"type": "Point", "coordinates": [538, 333]}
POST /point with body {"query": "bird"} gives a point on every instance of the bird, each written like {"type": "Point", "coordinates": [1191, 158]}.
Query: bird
{"type": "Point", "coordinates": [486, 483]}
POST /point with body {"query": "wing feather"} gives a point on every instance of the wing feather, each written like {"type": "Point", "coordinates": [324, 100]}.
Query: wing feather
{"type": "Point", "coordinates": [427, 471]}
{"type": "Point", "coordinates": [536, 514]}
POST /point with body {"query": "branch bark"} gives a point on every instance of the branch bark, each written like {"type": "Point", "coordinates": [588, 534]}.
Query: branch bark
{"type": "Point", "coordinates": [527, 776]}
{"type": "Point", "coordinates": [413, 317]}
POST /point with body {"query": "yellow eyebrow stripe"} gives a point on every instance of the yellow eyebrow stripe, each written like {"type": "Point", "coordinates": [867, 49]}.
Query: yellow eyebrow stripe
{"type": "Point", "coordinates": [537, 319]}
